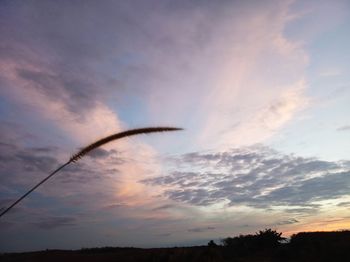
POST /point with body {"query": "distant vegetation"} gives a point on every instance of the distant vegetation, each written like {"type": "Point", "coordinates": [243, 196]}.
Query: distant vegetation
{"type": "Point", "coordinates": [266, 239]}
{"type": "Point", "coordinates": [266, 245]}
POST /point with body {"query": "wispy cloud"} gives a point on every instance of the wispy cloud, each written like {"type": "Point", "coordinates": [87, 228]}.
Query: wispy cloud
{"type": "Point", "coordinates": [163, 207]}
{"type": "Point", "coordinates": [288, 222]}
{"type": "Point", "coordinates": [200, 229]}
{"type": "Point", "coordinates": [344, 128]}
{"type": "Point", "coordinates": [254, 176]}
{"type": "Point", "coordinates": [55, 222]}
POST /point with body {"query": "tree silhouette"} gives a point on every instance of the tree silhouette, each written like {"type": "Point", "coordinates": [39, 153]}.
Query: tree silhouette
{"type": "Point", "coordinates": [264, 239]}
{"type": "Point", "coordinates": [269, 238]}
{"type": "Point", "coordinates": [211, 243]}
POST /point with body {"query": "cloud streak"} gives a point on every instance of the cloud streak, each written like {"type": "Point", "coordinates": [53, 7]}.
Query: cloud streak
{"type": "Point", "coordinates": [253, 176]}
{"type": "Point", "coordinates": [200, 229]}
{"type": "Point", "coordinates": [344, 128]}
{"type": "Point", "coordinates": [49, 223]}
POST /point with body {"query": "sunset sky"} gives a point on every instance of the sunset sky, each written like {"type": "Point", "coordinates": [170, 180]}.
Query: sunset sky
{"type": "Point", "coordinates": [262, 89]}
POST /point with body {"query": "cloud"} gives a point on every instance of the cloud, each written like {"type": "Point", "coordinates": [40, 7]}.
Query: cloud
{"type": "Point", "coordinates": [76, 82]}
{"type": "Point", "coordinates": [288, 222]}
{"type": "Point", "coordinates": [254, 176]}
{"type": "Point", "coordinates": [303, 210]}
{"type": "Point", "coordinates": [54, 73]}
{"type": "Point", "coordinates": [113, 206]}
{"type": "Point", "coordinates": [330, 186]}
{"type": "Point", "coordinates": [23, 167]}
{"type": "Point", "coordinates": [344, 204]}
{"type": "Point", "coordinates": [49, 223]}
{"type": "Point", "coordinates": [77, 93]}
{"type": "Point", "coordinates": [72, 82]}
{"type": "Point", "coordinates": [99, 186]}
{"type": "Point", "coordinates": [164, 235]}
{"type": "Point", "coordinates": [268, 119]}
{"type": "Point", "coordinates": [100, 153]}
{"type": "Point", "coordinates": [18, 161]}
{"type": "Point", "coordinates": [344, 128]}
{"type": "Point", "coordinates": [200, 229]}
{"type": "Point", "coordinates": [79, 82]}
{"type": "Point", "coordinates": [163, 207]}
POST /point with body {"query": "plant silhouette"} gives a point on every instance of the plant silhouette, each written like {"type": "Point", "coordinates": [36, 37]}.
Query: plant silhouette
{"type": "Point", "coordinates": [91, 147]}
{"type": "Point", "coordinates": [264, 239]}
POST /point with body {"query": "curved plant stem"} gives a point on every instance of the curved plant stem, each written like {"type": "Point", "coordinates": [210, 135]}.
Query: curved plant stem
{"type": "Point", "coordinates": [91, 147]}
{"type": "Point", "coordinates": [31, 190]}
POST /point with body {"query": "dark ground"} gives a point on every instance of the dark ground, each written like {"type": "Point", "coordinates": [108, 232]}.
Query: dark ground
{"type": "Point", "coordinates": [317, 246]}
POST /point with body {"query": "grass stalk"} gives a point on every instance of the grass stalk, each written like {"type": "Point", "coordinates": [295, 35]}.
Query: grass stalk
{"type": "Point", "coordinates": [88, 149]}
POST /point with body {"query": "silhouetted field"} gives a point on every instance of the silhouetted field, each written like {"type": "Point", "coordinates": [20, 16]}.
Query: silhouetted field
{"type": "Point", "coordinates": [265, 245]}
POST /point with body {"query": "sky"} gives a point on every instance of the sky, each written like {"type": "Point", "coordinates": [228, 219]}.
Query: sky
{"type": "Point", "coordinates": [262, 89]}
